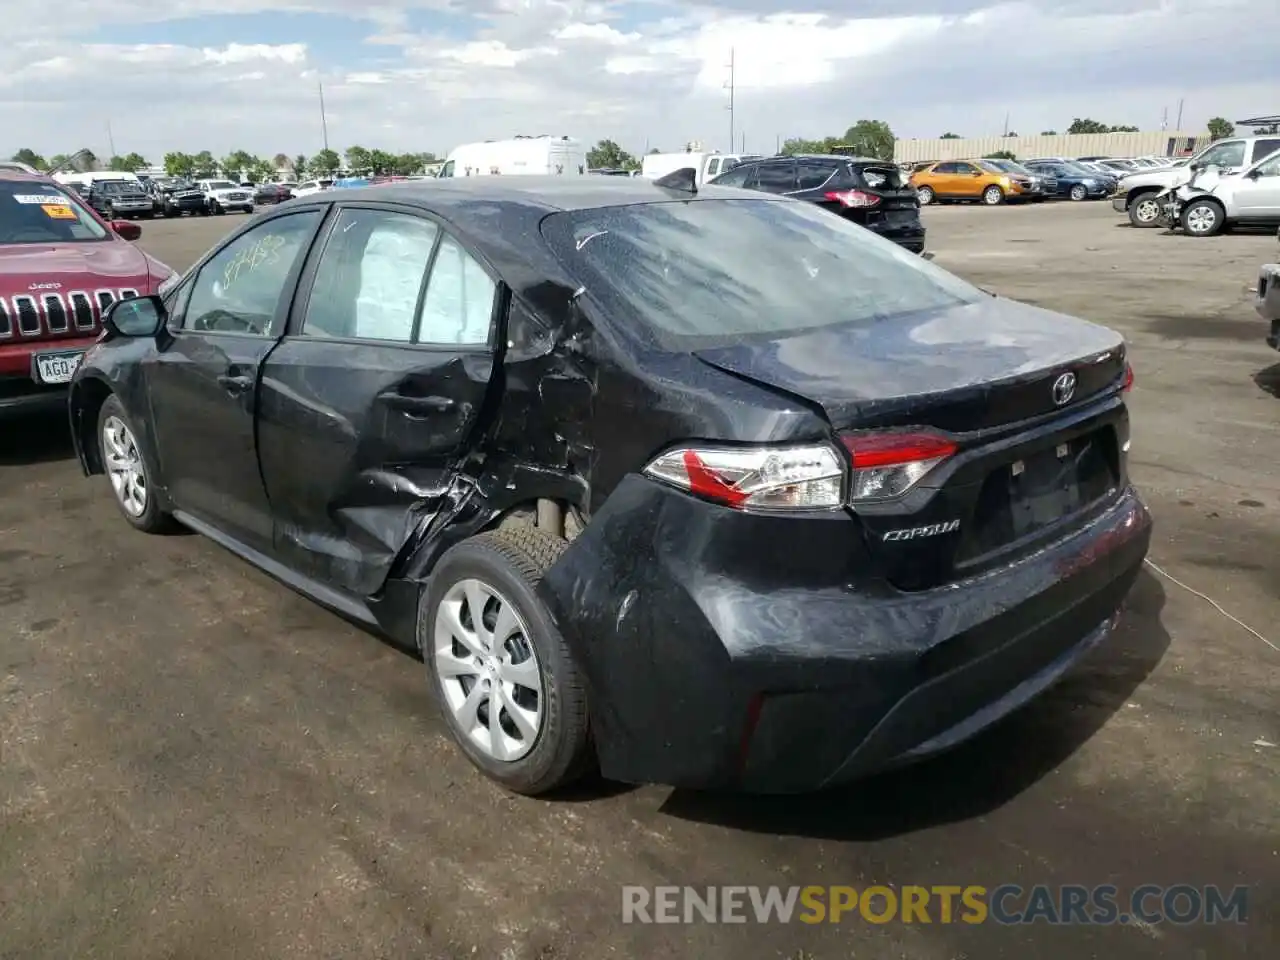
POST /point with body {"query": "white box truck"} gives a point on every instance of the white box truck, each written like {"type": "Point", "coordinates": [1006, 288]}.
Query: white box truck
{"type": "Point", "coordinates": [553, 156]}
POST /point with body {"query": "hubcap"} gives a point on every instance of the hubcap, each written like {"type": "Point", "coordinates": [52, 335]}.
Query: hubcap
{"type": "Point", "coordinates": [1201, 219]}
{"type": "Point", "coordinates": [124, 466]}
{"type": "Point", "coordinates": [488, 669]}
{"type": "Point", "coordinates": [1077, 193]}
{"type": "Point", "coordinates": [925, 195]}
{"type": "Point", "coordinates": [993, 195]}
{"type": "Point", "coordinates": [1147, 210]}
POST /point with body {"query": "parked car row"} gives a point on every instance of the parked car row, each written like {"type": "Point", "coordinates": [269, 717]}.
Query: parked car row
{"type": "Point", "coordinates": [994, 181]}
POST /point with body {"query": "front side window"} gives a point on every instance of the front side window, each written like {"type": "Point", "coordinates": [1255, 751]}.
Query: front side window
{"type": "Point", "coordinates": [1271, 166]}
{"type": "Point", "coordinates": [694, 274]}
{"type": "Point", "coordinates": [238, 290]}
{"type": "Point", "coordinates": [370, 276]}
{"type": "Point", "coordinates": [1264, 148]}
{"type": "Point", "coordinates": [458, 308]}
{"type": "Point", "coordinates": [1228, 154]}
{"type": "Point", "coordinates": [33, 212]}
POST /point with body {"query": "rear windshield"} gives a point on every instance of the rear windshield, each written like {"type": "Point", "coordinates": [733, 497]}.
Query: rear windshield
{"type": "Point", "coordinates": [887, 177]}
{"type": "Point", "coordinates": [44, 213]}
{"type": "Point", "coordinates": [715, 272]}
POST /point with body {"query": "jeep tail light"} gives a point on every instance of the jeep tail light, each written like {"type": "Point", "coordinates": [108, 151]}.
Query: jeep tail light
{"type": "Point", "coordinates": [887, 465]}
{"type": "Point", "coordinates": [852, 198]}
{"type": "Point", "coordinates": [761, 478]}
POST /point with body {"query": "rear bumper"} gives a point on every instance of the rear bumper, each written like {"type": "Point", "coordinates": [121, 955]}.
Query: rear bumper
{"type": "Point", "coordinates": [707, 668]}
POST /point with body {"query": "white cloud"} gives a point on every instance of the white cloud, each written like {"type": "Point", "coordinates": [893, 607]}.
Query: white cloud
{"type": "Point", "coordinates": [648, 71]}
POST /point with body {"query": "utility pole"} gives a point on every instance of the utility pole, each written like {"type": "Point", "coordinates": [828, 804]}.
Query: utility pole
{"type": "Point", "coordinates": [730, 85]}
{"type": "Point", "coordinates": [1178, 124]}
{"type": "Point", "coordinates": [324, 123]}
{"type": "Point", "coordinates": [1005, 132]}
{"type": "Point", "coordinates": [111, 143]}
{"type": "Point", "coordinates": [1164, 119]}
{"type": "Point", "coordinates": [777, 144]}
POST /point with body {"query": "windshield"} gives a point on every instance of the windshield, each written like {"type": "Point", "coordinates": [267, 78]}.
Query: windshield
{"type": "Point", "coordinates": [116, 186]}
{"type": "Point", "coordinates": [221, 185]}
{"type": "Point", "coordinates": [44, 213]}
{"type": "Point", "coordinates": [712, 272]}
{"type": "Point", "coordinates": [991, 166]}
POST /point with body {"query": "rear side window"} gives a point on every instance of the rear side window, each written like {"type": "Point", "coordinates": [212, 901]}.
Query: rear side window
{"type": "Point", "coordinates": [737, 177]}
{"type": "Point", "coordinates": [776, 177]}
{"type": "Point", "coordinates": [877, 177]}
{"type": "Point", "coordinates": [458, 309]}
{"type": "Point", "coordinates": [1264, 148]}
{"type": "Point", "coordinates": [811, 174]}
{"type": "Point", "coordinates": [690, 275]}
{"type": "Point", "coordinates": [946, 168]}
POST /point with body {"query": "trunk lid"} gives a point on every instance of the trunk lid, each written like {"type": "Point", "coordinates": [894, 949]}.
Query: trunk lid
{"type": "Point", "coordinates": [962, 369]}
{"type": "Point", "coordinates": [989, 376]}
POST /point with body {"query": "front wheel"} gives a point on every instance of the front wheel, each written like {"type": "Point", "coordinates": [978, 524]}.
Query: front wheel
{"type": "Point", "coordinates": [1078, 192]}
{"type": "Point", "coordinates": [926, 196]}
{"type": "Point", "coordinates": [1144, 211]}
{"type": "Point", "coordinates": [992, 196]}
{"type": "Point", "coordinates": [507, 684]}
{"type": "Point", "coordinates": [216, 207]}
{"type": "Point", "coordinates": [128, 470]}
{"type": "Point", "coordinates": [1202, 218]}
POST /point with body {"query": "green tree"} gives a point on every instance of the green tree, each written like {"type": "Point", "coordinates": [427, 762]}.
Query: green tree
{"type": "Point", "coordinates": [30, 158]}
{"type": "Point", "coordinates": [299, 166]}
{"type": "Point", "coordinates": [1220, 128]}
{"type": "Point", "coordinates": [280, 161]}
{"type": "Point", "coordinates": [86, 159]}
{"type": "Point", "coordinates": [358, 159]}
{"type": "Point", "coordinates": [950, 136]}
{"type": "Point", "coordinates": [381, 163]}
{"type": "Point", "coordinates": [129, 163]}
{"type": "Point", "coordinates": [205, 165]}
{"type": "Point", "coordinates": [608, 154]}
{"type": "Point", "coordinates": [326, 163]}
{"type": "Point", "coordinates": [872, 138]}
{"type": "Point", "coordinates": [1012, 133]}
{"type": "Point", "coordinates": [261, 171]}
{"type": "Point", "coordinates": [1085, 125]}
{"type": "Point", "coordinates": [1001, 155]}
{"type": "Point", "coordinates": [178, 164]}
{"type": "Point", "coordinates": [1048, 133]}
{"type": "Point", "coordinates": [237, 163]}
{"type": "Point", "coordinates": [57, 160]}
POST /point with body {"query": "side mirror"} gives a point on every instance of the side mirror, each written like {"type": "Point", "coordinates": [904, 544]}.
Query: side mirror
{"type": "Point", "coordinates": [135, 317]}
{"type": "Point", "coordinates": [126, 230]}
{"type": "Point", "coordinates": [1254, 174]}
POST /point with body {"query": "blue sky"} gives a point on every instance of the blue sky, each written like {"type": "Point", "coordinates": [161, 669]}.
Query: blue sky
{"type": "Point", "coordinates": [429, 74]}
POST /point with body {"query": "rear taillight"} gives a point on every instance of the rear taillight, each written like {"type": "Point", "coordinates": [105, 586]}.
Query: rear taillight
{"type": "Point", "coordinates": [1128, 378]}
{"type": "Point", "coordinates": [763, 478]}
{"type": "Point", "coordinates": [887, 465]}
{"type": "Point", "coordinates": [852, 198]}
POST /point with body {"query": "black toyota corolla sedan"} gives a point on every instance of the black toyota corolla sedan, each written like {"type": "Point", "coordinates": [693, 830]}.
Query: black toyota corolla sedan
{"type": "Point", "coordinates": [708, 488]}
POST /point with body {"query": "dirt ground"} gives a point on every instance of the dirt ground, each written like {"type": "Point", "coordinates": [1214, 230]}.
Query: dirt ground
{"type": "Point", "coordinates": [196, 763]}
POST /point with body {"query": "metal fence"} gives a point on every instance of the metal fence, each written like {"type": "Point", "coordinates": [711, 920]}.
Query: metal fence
{"type": "Point", "coordinates": [1161, 143]}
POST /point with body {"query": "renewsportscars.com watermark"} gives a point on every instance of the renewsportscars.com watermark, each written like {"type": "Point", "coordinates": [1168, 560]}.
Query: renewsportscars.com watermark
{"type": "Point", "coordinates": [1009, 904]}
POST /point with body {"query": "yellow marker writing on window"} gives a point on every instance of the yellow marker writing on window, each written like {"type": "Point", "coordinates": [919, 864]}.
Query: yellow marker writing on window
{"type": "Point", "coordinates": [58, 211]}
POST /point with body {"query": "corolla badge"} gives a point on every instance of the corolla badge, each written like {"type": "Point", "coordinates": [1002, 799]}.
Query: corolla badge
{"type": "Point", "coordinates": [916, 533]}
{"type": "Point", "coordinates": [1064, 388]}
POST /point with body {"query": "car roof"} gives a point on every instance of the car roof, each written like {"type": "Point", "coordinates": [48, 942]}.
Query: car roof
{"type": "Point", "coordinates": [531, 192]}
{"type": "Point", "coordinates": [816, 156]}
{"type": "Point", "coordinates": [24, 177]}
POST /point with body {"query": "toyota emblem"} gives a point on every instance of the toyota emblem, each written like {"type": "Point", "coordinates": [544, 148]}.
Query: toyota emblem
{"type": "Point", "coordinates": [1064, 388]}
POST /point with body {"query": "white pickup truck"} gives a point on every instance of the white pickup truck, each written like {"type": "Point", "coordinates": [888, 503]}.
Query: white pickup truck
{"type": "Point", "coordinates": [223, 195]}
{"type": "Point", "coordinates": [1136, 193]}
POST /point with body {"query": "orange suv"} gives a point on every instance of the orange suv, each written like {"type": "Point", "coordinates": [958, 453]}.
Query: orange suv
{"type": "Point", "coordinates": [970, 180]}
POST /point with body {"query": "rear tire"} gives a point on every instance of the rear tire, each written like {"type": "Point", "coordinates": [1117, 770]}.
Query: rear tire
{"type": "Point", "coordinates": [1144, 211]}
{"type": "Point", "coordinates": [925, 195]}
{"type": "Point", "coordinates": [544, 743]}
{"type": "Point", "coordinates": [1078, 192]}
{"type": "Point", "coordinates": [993, 196]}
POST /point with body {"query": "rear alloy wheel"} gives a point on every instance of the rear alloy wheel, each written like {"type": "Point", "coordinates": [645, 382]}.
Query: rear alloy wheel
{"type": "Point", "coordinates": [1144, 211]}
{"type": "Point", "coordinates": [926, 196]}
{"type": "Point", "coordinates": [1078, 192]}
{"type": "Point", "coordinates": [1202, 218]}
{"type": "Point", "coordinates": [992, 196]}
{"type": "Point", "coordinates": [506, 682]}
{"type": "Point", "coordinates": [126, 468]}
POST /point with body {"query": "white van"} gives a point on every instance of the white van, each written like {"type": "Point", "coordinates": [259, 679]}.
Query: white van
{"type": "Point", "coordinates": [708, 165]}
{"type": "Point", "coordinates": [561, 156]}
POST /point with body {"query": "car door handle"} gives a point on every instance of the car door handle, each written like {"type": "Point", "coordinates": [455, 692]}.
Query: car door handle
{"type": "Point", "coordinates": [235, 384]}
{"type": "Point", "coordinates": [416, 405]}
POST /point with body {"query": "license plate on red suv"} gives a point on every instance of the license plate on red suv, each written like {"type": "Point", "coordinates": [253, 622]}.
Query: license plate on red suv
{"type": "Point", "coordinates": [55, 366]}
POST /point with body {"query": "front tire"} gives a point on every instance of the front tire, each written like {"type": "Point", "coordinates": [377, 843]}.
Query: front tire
{"type": "Point", "coordinates": [993, 196]}
{"type": "Point", "coordinates": [128, 469]}
{"type": "Point", "coordinates": [216, 207]}
{"type": "Point", "coordinates": [1203, 218]}
{"type": "Point", "coordinates": [1078, 193]}
{"type": "Point", "coordinates": [506, 682]}
{"type": "Point", "coordinates": [1144, 211]}
{"type": "Point", "coordinates": [926, 196]}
